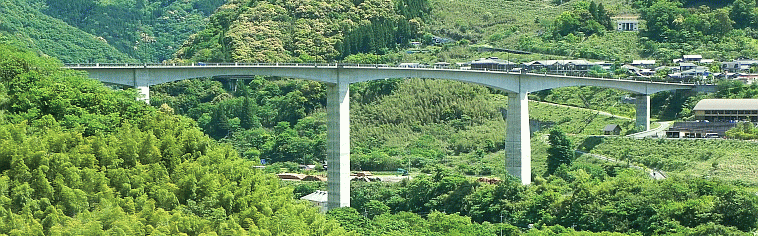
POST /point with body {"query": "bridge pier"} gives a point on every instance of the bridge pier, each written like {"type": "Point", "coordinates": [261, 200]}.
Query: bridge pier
{"type": "Point", "coordinates": [338, 144]}
{"type": "Point", "coordinates": [141, 81]}
{"type": "Point", "coordinates": [144, 92]}
{"type": "Point", "coordinates": [518, 158]}
{"type": "Point", "coordinates": [643, 111]}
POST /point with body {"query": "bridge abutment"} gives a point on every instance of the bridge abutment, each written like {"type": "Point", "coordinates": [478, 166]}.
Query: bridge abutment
{"type": "Point", "coordinates": [518, 159]}
{"type": "Point", "coordinates": [643, 111]}
{"type": "Point", "coordinates": [338, 145]}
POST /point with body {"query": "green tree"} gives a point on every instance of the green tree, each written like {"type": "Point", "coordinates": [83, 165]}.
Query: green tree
{"type": "Point", "coordinates": [742, 13]}
{"type": "Point", "coordinates": [661, 20]}
{"type": "Point", "coordinates": [560, 152]}
{"type": "Point", "coordinates": [375, 208]}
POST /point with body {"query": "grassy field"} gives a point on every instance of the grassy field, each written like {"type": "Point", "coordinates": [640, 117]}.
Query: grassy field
{"type": "Point", "coordinates": [731, 160]}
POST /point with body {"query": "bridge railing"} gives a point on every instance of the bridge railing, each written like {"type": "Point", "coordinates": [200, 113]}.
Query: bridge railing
{"type": "Point", "coordinates": [355, 65]}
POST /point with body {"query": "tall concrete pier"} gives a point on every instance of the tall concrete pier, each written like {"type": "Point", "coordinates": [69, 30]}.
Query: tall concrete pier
{"type": "Point", "coordinates": [518, 157]}
{"type": "Point", "coordinates": [642, 104]}
{"type": "Point", "coordinates": [338, 144]}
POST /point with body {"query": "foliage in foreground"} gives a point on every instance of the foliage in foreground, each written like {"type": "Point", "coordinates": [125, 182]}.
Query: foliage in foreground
{"type": "Point", "coordinates": [583, 196]}
{"type": "Point", "coordinates": [744, 131]}
{"type": "Point", "coordinates": [78, 158]}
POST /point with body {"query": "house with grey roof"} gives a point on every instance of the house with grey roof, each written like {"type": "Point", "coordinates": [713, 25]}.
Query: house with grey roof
{"type": "Point", "coordinates": [740, 65]}
{"type": "Point", "coordinates": [698, 72]}
{"type": "Point", "coordinates": [648, 64]}
{"type": "Point", "coordinates": [692, 58]}
{"type": "Point", "coordinates": [560, 66]}
{"type": "Point", "coordinates": [686, 66]}
{"type": "Point", "coordinates": [492, 63]}
{"type": "Point", "coordinates": [612, 129]}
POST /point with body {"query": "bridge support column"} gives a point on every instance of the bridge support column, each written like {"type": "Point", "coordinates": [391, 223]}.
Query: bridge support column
{"type": "Point", "coordinates": [142, 84]}
{"type": "Point", "coordinates": [643, 111]}
{"type": "Point", "coordinates": [518, 159]}
{"type": "Point", "coordinates": [338, 145]}
{"type": "Point", "coordinates": [144, 92]}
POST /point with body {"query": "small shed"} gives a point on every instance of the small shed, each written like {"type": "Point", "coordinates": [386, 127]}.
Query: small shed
{"type": "Point", "coordinates": [318, 198]}
{"type": "Point", "coordinates": [612, 129]}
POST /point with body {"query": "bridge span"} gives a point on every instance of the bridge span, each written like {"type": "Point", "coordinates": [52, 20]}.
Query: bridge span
{"type": "Point", "coordinates": [338, 77]}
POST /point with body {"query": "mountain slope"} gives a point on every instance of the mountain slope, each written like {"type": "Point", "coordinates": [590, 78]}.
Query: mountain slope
{"type": "Point", "coordinates": [23, 22]}
{"type": "Point", "coordinates": [308, 30]}
{"type": "Point", "coordinates": [148, 30]}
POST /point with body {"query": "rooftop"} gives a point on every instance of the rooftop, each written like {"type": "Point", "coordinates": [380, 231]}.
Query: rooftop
{"type": "Point", "coordinates": [318, 196]}
{"type": "Point", "coordinates": [727, 104]}
{"type": "Point", "coordinates": [611, 127]}
{"type": "Point", "coordinates": [643, 62]}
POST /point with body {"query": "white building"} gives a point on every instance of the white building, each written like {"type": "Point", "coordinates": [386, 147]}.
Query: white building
{"type": "Point", "coordinates": [628, 24]}
{"type": "Point", "coordinates": [318, 198]}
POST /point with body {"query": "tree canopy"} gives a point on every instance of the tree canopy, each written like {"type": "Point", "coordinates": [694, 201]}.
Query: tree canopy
{"type": "Point", "coordinates": [78, 158]}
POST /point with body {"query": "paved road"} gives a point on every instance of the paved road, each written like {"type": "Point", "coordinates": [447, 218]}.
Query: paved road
{"type": "Point", "coordinates": [655, 174]}
{"type": "Point", "coordinates": [657, 132]}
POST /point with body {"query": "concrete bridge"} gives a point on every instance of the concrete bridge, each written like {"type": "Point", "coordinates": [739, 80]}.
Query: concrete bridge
{"type": "Point", "coordinates": [338, 77]}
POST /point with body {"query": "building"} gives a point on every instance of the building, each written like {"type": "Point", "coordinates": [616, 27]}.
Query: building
{"type": "Point", "coordinates": [740, 65]}
{"type": "Point", "coordinates": [612, 129]}
{"type": "Point", "coordinates": [627, 24]}
{"type": "Point", "coordinates": [698, 72]}
{"type": "Point", "coordinates": [727, 110]}
{"type": "Point", "coordinates": [318, 198]}
{"type": "Point", "coordinates": [686, 66]}
{"type": "Point", "coordinates": [692, 58]}
{"type": "Point", "coordinates": [648, 64]}
{"type": "Point", "coordinates": [699, 129]}
{"type": "Point", "coordinates": [441, 65]}
{"type": "Point", "coordinates": [492, 63]}
{"type": "Point", "coordinates": [411, 65]}
{"type": "Point", "coordinates": [560, 66]}
{"type": "Point", "coordinates": [605, 65]}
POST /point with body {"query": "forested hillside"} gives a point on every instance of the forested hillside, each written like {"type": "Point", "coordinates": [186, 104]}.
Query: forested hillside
{"type": "Point", "coordinates": [78, 158]}
{"type": "Point", "coordinates": [23, 22]}
{"type": "Point", "coordinates": [310, 31]}
{"type": "Point", "coordinates": [146, 30]}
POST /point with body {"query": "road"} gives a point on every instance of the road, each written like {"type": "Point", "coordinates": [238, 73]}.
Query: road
{"type": "Point", "coordinates": [657, 132]}
{"type": "Point", "coordinates": [655, 174]}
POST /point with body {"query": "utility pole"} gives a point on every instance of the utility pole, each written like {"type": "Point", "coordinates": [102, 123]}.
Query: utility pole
{"type": "Point", "coordinates": [501, 224]}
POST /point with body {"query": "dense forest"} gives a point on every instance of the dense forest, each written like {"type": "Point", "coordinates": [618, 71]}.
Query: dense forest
{"type": "Point", "coordinates": [22, 21]}
{"type": "Point", "coordinates": [148, 31]}
{"type": "Point", "coordinates": [307, 31]}
{"type": "Point", "coordinates": [78, 158]}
